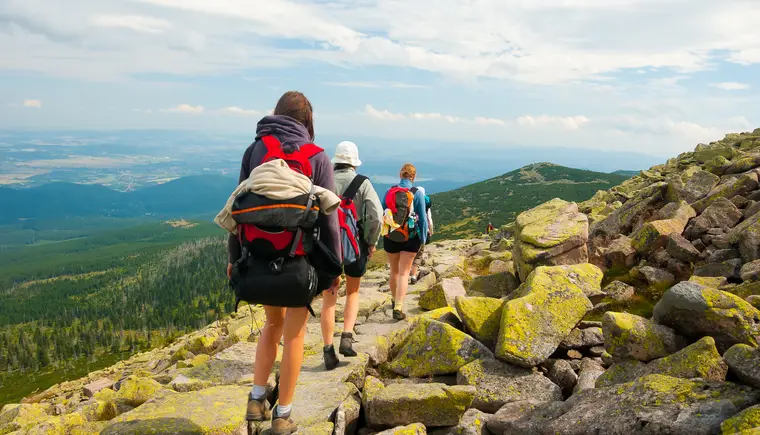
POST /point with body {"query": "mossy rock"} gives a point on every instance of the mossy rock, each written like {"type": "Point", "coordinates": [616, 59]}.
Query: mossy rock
{"type": "Point", "coordinates": [435, 348]}
{"type": "Point", "coordinates": [627, 336]}
{"type": "Point", "coordinates": [98, 410]}
{"type": "Point", "coordinates": [534, 325]}
{"type": "Point", "coordinates": [742, 422]}
{"type": "Point", "coordinates": [23, 416]}
{"type": "Point", "coordinates": [433, 405]}
{"type": "Point", "coordinates": [411, 429]}
{"type": "Point", "coordinates": [442, 294]}
{"type": "Point", "coordinates": [216, 410]}
{"type": "Point", "coordinates": [134, 391]}
{"type": "Point", "coordinates": [481, 317]}
{"type": "Point", "coordinates": [695, 311]}
{"type": "Point", "coordinates": [699, 360]}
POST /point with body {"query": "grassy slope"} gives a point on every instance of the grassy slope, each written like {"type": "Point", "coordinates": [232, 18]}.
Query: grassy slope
{"type": "Point", "coordinates": [466, 211]}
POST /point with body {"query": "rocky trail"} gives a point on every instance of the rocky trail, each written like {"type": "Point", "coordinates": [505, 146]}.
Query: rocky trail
{"type": "Point", "coordinates": [635, 312]}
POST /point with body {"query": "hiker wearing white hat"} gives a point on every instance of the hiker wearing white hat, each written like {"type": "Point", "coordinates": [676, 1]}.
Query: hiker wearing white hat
{"type": "Point", "coordinates": [346, 153]}
{"type": "Point", "coordinates": [360, 217]}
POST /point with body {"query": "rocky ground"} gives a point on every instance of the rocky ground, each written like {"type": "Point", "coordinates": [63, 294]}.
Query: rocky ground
{"type": "Point", "coordinates": [632, 313]}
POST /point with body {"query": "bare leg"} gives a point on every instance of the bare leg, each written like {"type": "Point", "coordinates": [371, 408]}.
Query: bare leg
{"type": "Point", "coordinates": [393, 259]}
{"type": "Point", "coordinates": [405, 265]}
{"type": "Point", "coordinates": [266, 349]}
{"type": "Point", "coordinates": [327, 319]}
{"type": "Point", "coordinates": [292, 355]}
{"type": "Point", "coordinates": [352, 303]}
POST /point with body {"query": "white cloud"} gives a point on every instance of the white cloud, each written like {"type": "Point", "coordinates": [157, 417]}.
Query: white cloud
{"type": "Point", "coordinates": [37, 104]}
{"type": "Point", "coordinates": [568, 122]}
{"type": "Point", "coordinates": [489, 121]}
{"type": "Point", "coordinates": [237, 111]}
{"type": "Point", "coordinates": [730, 86]}
{"type": "Point", "coordinates": [382, 115]}
{"type": "Point", "coordinates": [518, 40]}
{"type": "Point", "coordinates": [185, 108]}
{"type": "Point", "coordinates": [397, 85]}
{"type": "Point", "coordinates": [134, 22]}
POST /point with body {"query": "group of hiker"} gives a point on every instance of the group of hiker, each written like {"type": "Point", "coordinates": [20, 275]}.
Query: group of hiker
{"type": "Point", "coordinates": [298, 221]}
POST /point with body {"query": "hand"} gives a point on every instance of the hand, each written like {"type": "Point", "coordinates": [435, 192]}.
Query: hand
{"type": "Point", "coordinates": [371, 250]}
{"type": "Point", "coordinates": [229, 270]}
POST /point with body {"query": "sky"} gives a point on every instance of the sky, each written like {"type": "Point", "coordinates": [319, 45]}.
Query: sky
{"type": "Point", "coordinates": [645, 76]}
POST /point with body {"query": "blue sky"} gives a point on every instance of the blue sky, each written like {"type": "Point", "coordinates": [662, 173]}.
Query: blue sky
{"type": "Point", "coordinates": [647, 76]}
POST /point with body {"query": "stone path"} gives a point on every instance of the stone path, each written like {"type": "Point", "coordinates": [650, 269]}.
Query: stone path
{"type": "Point", "coordinates": [198, 385]}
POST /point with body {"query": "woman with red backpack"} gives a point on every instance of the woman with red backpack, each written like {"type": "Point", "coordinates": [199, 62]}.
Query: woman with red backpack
{"type": "Point", "coordinates": [360, 220]}
{"type": "Point", "coordinates": [283, 142]}
{"type": "Point", "coordinates": [405, 230]}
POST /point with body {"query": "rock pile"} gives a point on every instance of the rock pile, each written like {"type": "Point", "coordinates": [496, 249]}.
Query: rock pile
{"type": "Point", "coordinates": [646, 322]}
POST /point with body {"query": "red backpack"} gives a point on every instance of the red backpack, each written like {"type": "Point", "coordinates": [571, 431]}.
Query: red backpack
{"type": "Point", "coordinates": [348, 219]}
{"type": "Point", "coordinates": [276, 237]}
{"type": "Point", "coordinates": [400, 201]}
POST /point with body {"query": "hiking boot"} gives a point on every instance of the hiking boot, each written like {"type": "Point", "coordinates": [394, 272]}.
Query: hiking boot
{"type": "Point", "coordinates": [331, 359]}
{"type": "Point", "coordinates": [398, 315]}
{"type": "Point", "coordinates": [258, 409]}
{"type": "Point", "coordinates": [346, 344]}
{"type": "Point", "coordinates": [283, 425]}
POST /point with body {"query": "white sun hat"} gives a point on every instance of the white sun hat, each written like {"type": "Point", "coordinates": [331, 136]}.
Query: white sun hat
{"type": "Point", "coordinates": [347, 153]}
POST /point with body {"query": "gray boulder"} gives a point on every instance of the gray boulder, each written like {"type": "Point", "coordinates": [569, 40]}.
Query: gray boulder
{"type": "Point", "coordinates": [498, 383]}
{"type": "Point", "coordinates": [695, 311]}
{"type": "Point", "coordinates": [590, 372]}
{"type": "Point", "coordinates": [744, 362]}
{"type": "Point", "coordinates": [651, 405]}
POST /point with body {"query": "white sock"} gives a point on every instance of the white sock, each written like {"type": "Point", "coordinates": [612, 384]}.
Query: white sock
{"type": "Point", "coordinates": [259, 392]}
{"type": "Point", "coordinates": [283, 410]}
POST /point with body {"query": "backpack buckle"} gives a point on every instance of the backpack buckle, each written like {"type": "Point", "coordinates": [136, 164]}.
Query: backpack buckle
{"type": "Point", "coordinates": [276, 265]}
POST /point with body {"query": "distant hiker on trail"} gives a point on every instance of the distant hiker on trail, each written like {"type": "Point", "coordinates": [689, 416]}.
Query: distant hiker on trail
{"type": "Point", "coordinates": [414, 274]}
{"type": "Point", "coordinates": [489, 228]}
{"type": "Point", "coordinates": [404, 232]}
{"type": "Point", "coordinates": [277, 259]}
{"type": "Point", "coordinates": [360, 219]}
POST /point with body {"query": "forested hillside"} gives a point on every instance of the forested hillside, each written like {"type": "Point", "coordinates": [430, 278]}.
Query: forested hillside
{"type": "Point", "coordinates": [466, 211]}
{"type": "Point", "coordinates": [76, 305]}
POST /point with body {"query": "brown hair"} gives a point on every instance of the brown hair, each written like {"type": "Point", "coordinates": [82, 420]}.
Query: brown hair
{"type": "Point", "coordinates": [295, 105]}
{"type": "Point", "coordinates": [408, 171]}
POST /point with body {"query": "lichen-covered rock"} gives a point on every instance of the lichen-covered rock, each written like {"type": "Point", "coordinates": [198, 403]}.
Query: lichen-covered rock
{"type": "Point", "coordinates": [754, 300]}
{"type": "Point", "coordinates": [744, 362]}
{"type": "Point", "coordinates": [622, 372]}
{"type": "Point", "coordinates": [186, 413]}
{"type": "Point", "coordinates": [691, 185]}
{"type": "Point", "coordinates": [747, 236]}
{"type": "Point", "coordinates": [442, 294]}
{"type": "Point", "coordinates": [23, 416]}
{"type": "Point", "coordinates": [651, 405]}
{"type": "Point", "coordinates": [435, 348]}
{"type": "Point", "coordinates": [98, 410]}
{"type": "Point", "coordinates": [619, 291]}
{"type": "Point", "coordinates": [681, 249]}
{"type": "Point", "coordinates": [433, 405]}
{"type": "Point", "coordinates": [583, 338]}
{"type": "Point", "coordinates": [751, 271]}
{"type": "Point", "coordinates": [533, 326]}
{"type": "Point", "coordinates": [411, 429]}
{"type": "Point", "coordinates": [498, 383]}
{"type": "Point", "coordinates": [746, 422]}
{"type": "Point", "coordinates": [654, 235]}
{"type": "Point", "coordinates": [590, 372]}
{"type": "Point", "coordinates": [709, 281]}
{"type": "Point", "coordinates": [500, 266]}
{"type": "Point", "coordinates": [620, 253]}
{"type": "Point", "coordinates": [134, 391]}
{"type": "Point", "coordinates": [473, 422]}
{"type": "Point", "coordinates": [511, 412]}
{"type": "Point", "coordinates": [481, 317]}
{"type": "Point", "coordinates": [721, 214]}
{"type": "Point", "coordinates": [622, 220]}
{"type": "Point", "coordinates": [728, 189]}
{"type": "Point", "coordinates": [699, 360]}
{"type": "Point", "coordinates": [627, 336]}
{"type": "Point", "coordinates": [494, 286]}
{"type": "Point", "coordinates": [695, 311]}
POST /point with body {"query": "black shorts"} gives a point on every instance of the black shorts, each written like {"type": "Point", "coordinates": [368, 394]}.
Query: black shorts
{"type": "Point", "coordinates": [358, 268]}
{"type": "Point", "coordinates": [411, 245]}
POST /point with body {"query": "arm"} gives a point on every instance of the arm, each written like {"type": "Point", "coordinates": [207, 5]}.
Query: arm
{"type": "Point", "coordinates": [373, 214]}
{"type": "Point", "coordinates": [419, 209]}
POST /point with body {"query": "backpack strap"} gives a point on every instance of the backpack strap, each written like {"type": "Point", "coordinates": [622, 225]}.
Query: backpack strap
{"type": "Point", "coordinates": [353, 188]}
{"type": "Point", "coordinates": [274, 148]}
